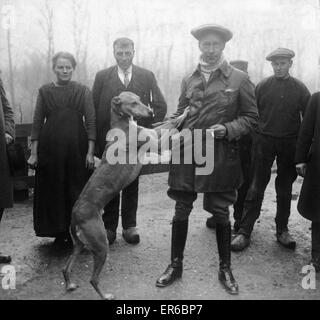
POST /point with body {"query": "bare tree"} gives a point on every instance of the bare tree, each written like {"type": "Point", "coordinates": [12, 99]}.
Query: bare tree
{"type": "Point", "coordinates": [81, 24]}
{"type": "Point", "coordinates": [11, 71]}
{"type": "Point", "coordinates": [47, 26]}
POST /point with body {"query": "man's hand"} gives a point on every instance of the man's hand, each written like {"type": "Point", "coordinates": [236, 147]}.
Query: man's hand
{"type": "Point", "coordinates": [301, 169]}
{"type": "Point", "coordinates": [219, 130]}
{"type": "Point", "coordinates": [9, 139]}
{"type": "Point", "coordinates": [90, 161]}
{"type": "Point", "coordinates": [33, 161]}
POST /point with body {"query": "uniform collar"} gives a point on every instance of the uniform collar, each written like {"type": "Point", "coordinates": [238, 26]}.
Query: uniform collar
{"type": "Point", "coordinates": [225, 69]}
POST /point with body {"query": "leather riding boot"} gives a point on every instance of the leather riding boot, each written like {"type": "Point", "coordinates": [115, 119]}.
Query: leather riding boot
{"type": "Point", "coordinates": [223, 234]}
{"type": "Point", "coordinates": [178, 241]}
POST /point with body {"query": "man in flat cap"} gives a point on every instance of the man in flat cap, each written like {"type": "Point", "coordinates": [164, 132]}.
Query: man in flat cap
{"type": "Point", "coordinates": [245, 146]}
{"type": "Point", "coordinates": [281, 101]}
{"type": "Point", "coordinates": [221, 98]}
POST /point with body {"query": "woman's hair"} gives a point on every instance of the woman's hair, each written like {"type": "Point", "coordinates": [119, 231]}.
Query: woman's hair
{"type": "Point", "coordinates": [65, 55]}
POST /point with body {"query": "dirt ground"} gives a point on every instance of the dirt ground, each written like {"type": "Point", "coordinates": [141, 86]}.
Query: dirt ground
{"type": "Point", "coordinates": [264, 270]}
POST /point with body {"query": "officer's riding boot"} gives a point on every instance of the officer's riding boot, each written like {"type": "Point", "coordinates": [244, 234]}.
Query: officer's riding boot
{"type": "Point", "coordinates": [178, 241]}
{"type": "Point", "coordinates": [223, 234]}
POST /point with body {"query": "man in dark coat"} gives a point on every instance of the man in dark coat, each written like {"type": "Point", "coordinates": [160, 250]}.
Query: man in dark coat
{"type": "Point", "coordinates": [281, 101]}
{"type": "Point", "coordinates": [124, 76]}
{"type": "Point", "coordinates": [7, 133]}
{"type": "Point", "coordinates": [223, 101]}
{"type": "Point", "coordinates": [307, 160]}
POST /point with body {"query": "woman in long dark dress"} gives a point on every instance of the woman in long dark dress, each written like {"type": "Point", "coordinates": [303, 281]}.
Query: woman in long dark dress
{"type": "Point", "coordinates": [308, 166]}
{"type": "Point", "coordinates": [62, 149]}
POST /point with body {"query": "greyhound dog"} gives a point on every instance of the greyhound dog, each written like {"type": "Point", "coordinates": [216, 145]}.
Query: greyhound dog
{"type": "Point", "coordinates": [87, 228]}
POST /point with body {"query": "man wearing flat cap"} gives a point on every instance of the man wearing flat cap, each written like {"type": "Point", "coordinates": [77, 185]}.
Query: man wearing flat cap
{"type": "Point", "coordinates": [281, 101]}
{"type": "Point", "coordinates": [220, 98]}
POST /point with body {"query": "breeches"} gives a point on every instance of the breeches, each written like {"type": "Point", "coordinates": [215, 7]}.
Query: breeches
{"type": "Point", "coordinates": [217, 203]}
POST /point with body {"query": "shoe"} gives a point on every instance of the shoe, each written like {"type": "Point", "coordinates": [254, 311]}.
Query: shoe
{"type": "Point", "coordinates": [227, 280]}
{"type": "Point", "coordinates": [111, 235]}
{"type": "Point", "coordinates": [211, 223]}
{"type": "Point", "coordinates": [131, 235]}
{"type": "Point", "coordinates": [173, 272]}
{"type": "Point", "coordinates": [240, 242]}
{"type": "Point", "coordinates": [286, 240]}
{"type": "Point", "coordinates": [5, 259]}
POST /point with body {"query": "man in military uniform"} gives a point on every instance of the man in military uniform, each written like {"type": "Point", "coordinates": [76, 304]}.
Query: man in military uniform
{"type": "Point", "coordinates": [224, 100]}
{"type": "Point", "coordinates": [281, 101]}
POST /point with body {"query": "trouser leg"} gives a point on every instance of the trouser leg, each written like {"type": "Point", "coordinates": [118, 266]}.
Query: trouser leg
{"type": "Point", "coordinates": [239, 205]}
{"type": "Point", "coordinates": [263, 157]}
{"type": "Point", "coordinates": [245, 145]}
{"type": "Point", "coordinates": [129, 204]}
{"type": "Point", "coordinates": [286, 175]}
{"type": "Point", "coordinates": [111, 214]}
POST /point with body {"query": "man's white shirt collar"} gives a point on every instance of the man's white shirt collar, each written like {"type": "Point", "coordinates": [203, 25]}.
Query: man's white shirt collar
{"type": "Point", "coordinates": [121, 73]}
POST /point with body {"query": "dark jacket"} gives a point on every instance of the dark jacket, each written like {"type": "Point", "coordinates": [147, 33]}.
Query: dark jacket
{"type": "Point", "coordinates": [6, 126]}
{"type": "Point", "coordinates": [228, 99]}
{"type": "Point", "coordinates": [308, 151]}
{"type": "Point", "coordinates": [108, 85]}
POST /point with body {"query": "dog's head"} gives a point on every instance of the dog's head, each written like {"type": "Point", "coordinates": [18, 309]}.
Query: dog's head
{"type": "Point", "coordinates": [128, 104]}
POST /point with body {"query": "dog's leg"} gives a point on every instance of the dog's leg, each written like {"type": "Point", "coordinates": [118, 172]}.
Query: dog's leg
{"type": "Point", "coordinates": [99, 259]}
{"type": "Point", "coordinates": [77, 247]}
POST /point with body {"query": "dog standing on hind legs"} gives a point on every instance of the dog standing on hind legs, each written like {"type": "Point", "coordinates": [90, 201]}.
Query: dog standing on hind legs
{"type": "Point", "coordinates": [87, 228]}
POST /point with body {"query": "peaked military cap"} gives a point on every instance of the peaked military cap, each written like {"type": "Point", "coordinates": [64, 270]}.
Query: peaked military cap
{"type": "Point", "coordinates": [240, 64]}
{"type": "Point", "coordinates": [201, 31]}
{"type": "Point", "coordinates": [280, 52]}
